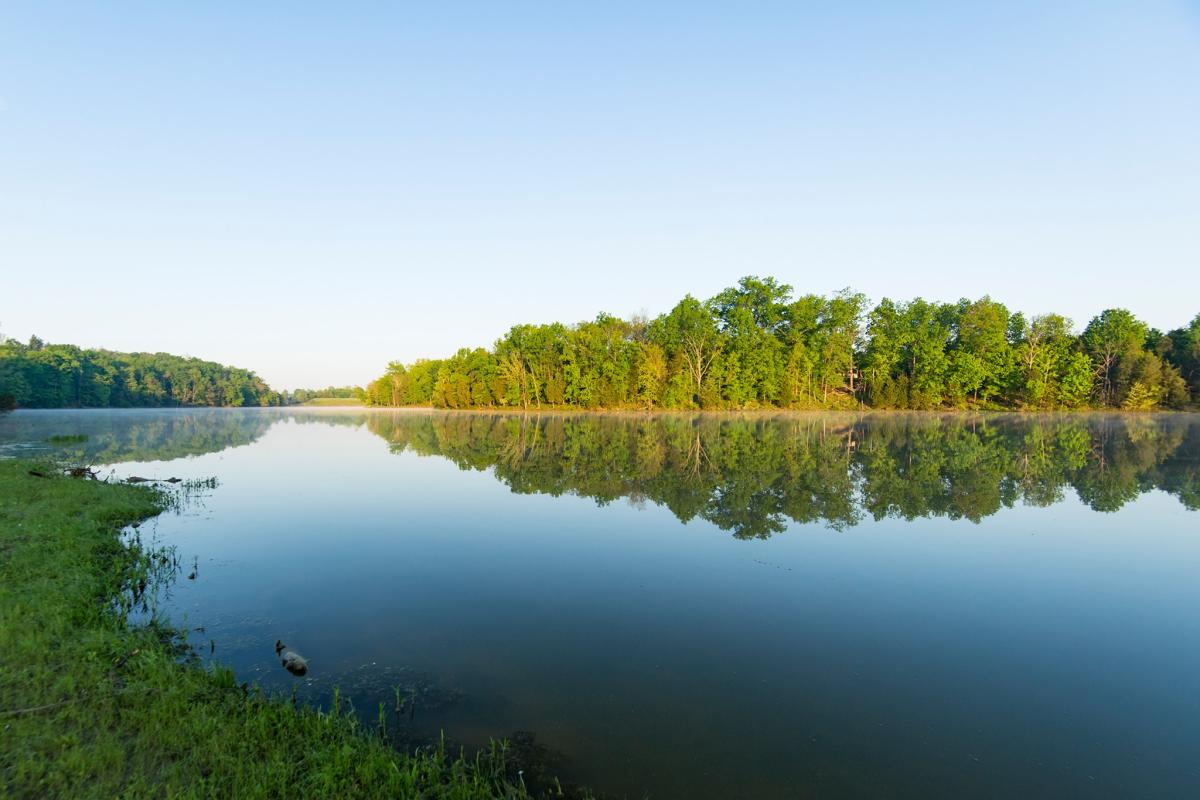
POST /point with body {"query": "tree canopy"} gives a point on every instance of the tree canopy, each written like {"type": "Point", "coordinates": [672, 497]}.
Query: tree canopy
{"type": "Point", "coordinates": [40, 375]}
{"type": "Point", "coordinates": [757, 345]}
{"type": "Point", "coordinates": [300, 396]}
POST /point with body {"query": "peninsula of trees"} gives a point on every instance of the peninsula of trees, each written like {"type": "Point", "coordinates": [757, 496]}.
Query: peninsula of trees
{"type": "Point", "coordinates": [756, 346]}
{"type": "Point", "coordinates": [40, 375]}
{"type": "Point", "coordinates": [301, 396]}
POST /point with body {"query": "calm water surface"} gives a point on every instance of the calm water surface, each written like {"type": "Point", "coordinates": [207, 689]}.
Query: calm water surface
{"type": "Point", "coordinates": [709, 607]}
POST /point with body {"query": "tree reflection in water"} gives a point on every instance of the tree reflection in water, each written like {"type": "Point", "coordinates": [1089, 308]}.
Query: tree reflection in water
{"type": "Point", "coordinates": [751, 475]}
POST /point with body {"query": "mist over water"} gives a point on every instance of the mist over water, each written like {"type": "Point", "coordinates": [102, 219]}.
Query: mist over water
{"type": "Point", "coordinates": [707, 606]}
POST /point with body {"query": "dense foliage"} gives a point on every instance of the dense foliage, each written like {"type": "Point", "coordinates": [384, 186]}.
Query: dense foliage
{"type": "Point", "coordinates": [40, 375]}
{"type": "Point", "coordinates": [756, 346]}
{"type": "Point", "coordinates": [299, 396]}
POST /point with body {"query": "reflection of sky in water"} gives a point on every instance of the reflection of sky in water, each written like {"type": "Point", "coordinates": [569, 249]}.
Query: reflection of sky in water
{"type": "Point", "coordinates": [1043, 651]}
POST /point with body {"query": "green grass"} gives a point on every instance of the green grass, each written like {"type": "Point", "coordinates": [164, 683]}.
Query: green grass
{"type": "Point", "coordinates": [92, 707]}
{"type": "Point", "coordinates": [333, 401]}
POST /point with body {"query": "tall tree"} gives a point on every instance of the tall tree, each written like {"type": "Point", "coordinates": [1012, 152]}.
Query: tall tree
{"type": "Point", "coordinates": [690, 331]}
{"type": "Point", "coordinates": [982, 340]}
{"type": "Point", "coordinates": [1113, 335]}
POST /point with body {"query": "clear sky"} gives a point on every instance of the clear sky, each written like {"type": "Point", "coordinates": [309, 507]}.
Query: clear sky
{"type": "Point", "coordinates": [312, 190]}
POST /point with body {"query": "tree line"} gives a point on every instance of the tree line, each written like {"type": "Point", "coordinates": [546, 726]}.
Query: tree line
{"type": "Point", "coordinates": [755, 345]}
{"type": "Point", "coordinates": [300, 396]}
{"type": "Point", "coordinates": [40, 375]}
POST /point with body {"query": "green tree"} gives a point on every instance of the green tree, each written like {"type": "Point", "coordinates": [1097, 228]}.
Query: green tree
{"type": "Point", "coordinates": [750, 346]}
{"type": "Point", "coordinates": [651, 375]}
{"type": "Point", "coordinates": [41, 375]}
{"type": "Point", "coordinates": [968, 372]}
{"type": "Point", "coordinates": [928, 328]}
{"type": "Point", "coordinates": [840, 328]}
{"type": "Point", "coordinates": [983, 334]}
{"type": "Point", "coordinates": [1114, 335]}
{"type": "Point", "coordinates": [887, 336]}
{"type": "Point", "coordinates": [1043, 357]}
{"type": "Point", "coordinates": [689, 332]}
{"type": "Point", "coordinates": [1075, 380]}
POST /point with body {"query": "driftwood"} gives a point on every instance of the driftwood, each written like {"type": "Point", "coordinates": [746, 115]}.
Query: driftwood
{"type": "Point", "coordinates": [72, 471]}
{"type": "Point", "coordinates": [78, 471]}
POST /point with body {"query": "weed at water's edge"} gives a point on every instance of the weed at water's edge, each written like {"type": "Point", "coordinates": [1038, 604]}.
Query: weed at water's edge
{"type": "Point", "coordinates": [92, 706]}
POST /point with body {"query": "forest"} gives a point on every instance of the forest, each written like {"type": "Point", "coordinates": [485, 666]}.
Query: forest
{"type": "Point", "coordinates": [40, 375]}
{"type": "Point", "coordinates": [756, 346]}
{"type": "Point", "coordinates": [301, 396]}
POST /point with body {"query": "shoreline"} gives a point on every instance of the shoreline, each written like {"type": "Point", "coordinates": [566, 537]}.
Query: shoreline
{"type": "Point", "coordinates": [660, 412]}
{"type": "Point", "coordinates": [92, 706]}
{"type": "Point", "coordinates": [782, 412]}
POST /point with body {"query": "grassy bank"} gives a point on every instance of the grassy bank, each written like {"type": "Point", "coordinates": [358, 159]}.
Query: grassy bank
{"type": "Point", "coordinates": [92, 707]}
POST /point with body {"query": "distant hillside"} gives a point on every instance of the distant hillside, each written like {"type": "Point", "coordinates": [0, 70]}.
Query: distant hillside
{"type": "Point", "coordinates": [343, 395]}
{"type": "Point", "coordinates": [333, 401]}
{"type": "Point", "coordinates": [40, 375]}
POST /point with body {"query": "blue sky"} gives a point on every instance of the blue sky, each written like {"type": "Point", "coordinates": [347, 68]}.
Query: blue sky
{"type": "Point", "coordinates": [312, 191]}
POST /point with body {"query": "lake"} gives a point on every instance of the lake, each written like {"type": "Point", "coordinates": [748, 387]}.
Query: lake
{"type": "Point", "coordinates": [827, 605]}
